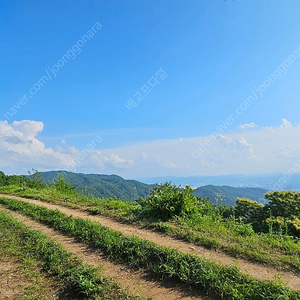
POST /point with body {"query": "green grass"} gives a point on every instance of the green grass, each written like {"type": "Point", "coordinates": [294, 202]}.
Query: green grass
{"type": "Point", "coordinates": [237, 240]}
{"type": "Point", "coordinates": [28, 282]}
{"type": "Point", "coordinates": [280, 251]}
{"type": "Point", "coordinates": [36, 250]}
{"type": "Point", "coordinates": [112, 207]}
{"type": "Point", "coordinates": [226, 281]}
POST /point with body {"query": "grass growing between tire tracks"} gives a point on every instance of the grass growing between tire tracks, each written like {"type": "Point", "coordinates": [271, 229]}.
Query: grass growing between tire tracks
{"type": "Point", "coordinates": [225, 281]}
{"type": "Point", "coordinates": [20, 274]}
{"type": "Point", "coordinates": [236, 240]}
{"type": "Point", "coordinates": [280, 252]}
{"type": "Point", "coordinates": [76, 280]}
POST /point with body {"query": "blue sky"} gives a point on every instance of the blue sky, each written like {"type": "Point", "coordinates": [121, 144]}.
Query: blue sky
{"type": "Point", "coordinates": [215, 55]}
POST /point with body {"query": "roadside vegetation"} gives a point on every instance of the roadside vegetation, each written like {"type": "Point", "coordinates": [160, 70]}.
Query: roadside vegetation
{"type": "Point", "coordinates": [21, 276]}
{"type": "Point", "coordinates": [266, 234]}
{"type": "Point", "coordinates": [41, 257]}
{"type": "Point", "coordinates": [225, 281]}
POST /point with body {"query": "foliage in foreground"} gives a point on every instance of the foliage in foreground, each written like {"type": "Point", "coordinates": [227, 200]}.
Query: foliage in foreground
{"type": "Point", "coordinates": [281, 214]}
{"type": "Point", "coordinates": [240, 231]}
{"type": "Point", "coordinates": [166, 201]}
{"type": "Point", "coordinates": [28, 281]}
{"type": "Point", "coordinates": [82, 281]}
{"type": "Point", "coordinates": [226, 281]}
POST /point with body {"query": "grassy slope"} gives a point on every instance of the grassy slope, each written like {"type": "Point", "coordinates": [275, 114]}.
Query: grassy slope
{"type": "Point", "coordinates": [75, 279]}
{"type": "Point", "coordinates": [227, 282]}
{"type": "Point", "coordinates": [235, 239]}
{"type": "Point", "coordinates": [26, 280]}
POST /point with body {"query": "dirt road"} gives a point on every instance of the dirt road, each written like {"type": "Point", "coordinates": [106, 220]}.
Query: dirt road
{"type": "Point", "coordinates": [137, 282]}
{"type": "Point", "coordinates": [258, 271]}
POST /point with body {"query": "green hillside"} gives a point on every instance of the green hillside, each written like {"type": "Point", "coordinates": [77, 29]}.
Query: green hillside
{"type": "Point", "coordinates": [101, 186]}
{"type": "Point", "coordinates": [108, 186]}
{"type": "Point", "coordinates": [229, 194]}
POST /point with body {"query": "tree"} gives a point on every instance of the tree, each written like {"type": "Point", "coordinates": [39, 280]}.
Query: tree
{"type": "Point", "coordinates": [284, 211]}
{"type": "Point", "coordinates": [36, 180]}
{"type": "Point", "coordinates": [283, 203]}
{"type": "Point", "coordinates": [62, 186]}
{"type": "Point", "coordinates": [250, 212]}
{"type": "Point", "coordinates": [2, 179]}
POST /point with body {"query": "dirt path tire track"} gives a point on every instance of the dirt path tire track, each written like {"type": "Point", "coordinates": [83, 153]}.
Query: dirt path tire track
{"type": "Point", "coordinates": [137, 282]}
{"type": "Point", "coordinates": [14, 281]}
{"type": "Point", "coordinates": [258, 271]}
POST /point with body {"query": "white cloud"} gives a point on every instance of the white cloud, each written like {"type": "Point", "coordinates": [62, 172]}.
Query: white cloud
{"type": "Point", "coordinates": [21, 150]}
{"type": "Point", "coordinates": [248, 126]}
{"type": "Point", "coordinates": [286, 152]}
{"type": "Point", "coordinates": [118, 162]}
{"type": "Point", "coordinates": [19, 145]}
{"type": "Point", "coordinates": [164, 162]}
{"type": "Point", "coordinates": [239, 147]}
{"type": "Point", "coordinates": [260, 150]}
{"type": "Point", "coordinates": [286, 124]}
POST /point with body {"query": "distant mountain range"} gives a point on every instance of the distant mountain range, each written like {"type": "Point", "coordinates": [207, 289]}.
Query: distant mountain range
{"type": "Point", "coordinates": [228, 194]}
{"type": "Point", "coordinates": [106, 186]}
{"type": "Point", "coordinates": [279, 181]}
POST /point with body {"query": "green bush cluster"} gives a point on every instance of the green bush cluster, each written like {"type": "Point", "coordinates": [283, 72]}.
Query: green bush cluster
{"type": "Point", "coordinates": [166, 201]}
{"type": "Point", "coordinates": [280, 215]}
{"type": "Point", "coordinates": [63, 186]}
{"type": "Point", "coordinates": [22, 181]}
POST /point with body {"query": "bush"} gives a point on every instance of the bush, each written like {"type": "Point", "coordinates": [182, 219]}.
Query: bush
{"type": "Point", "coordinates": [281, 215]}
{"type": "Point", "coordinates": [35, 182]}
{"type": "Point", "coordinates": [166, 201]}
{"type": "Point", "coordinates": [63, 186]}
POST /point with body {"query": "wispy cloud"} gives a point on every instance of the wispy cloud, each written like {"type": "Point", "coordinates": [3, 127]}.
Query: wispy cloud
{"type": "Point", "coordinates": [248, 126]}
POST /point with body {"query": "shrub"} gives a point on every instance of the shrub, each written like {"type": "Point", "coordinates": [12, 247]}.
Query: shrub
{"type": "Point", "coordinates": [166, 201]}
{"type": "Point", "coordinates": [63, 186]}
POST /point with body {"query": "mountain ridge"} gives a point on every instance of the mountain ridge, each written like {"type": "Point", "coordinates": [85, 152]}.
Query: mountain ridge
{"type": "Point", "coordinates": [108, 186]}
{"type": "Point", "coordinates": [266, 181]}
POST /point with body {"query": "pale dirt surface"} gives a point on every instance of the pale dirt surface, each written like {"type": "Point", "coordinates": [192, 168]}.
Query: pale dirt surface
{"type": "Point", "coordinates": [14, 281]}
{"type": "Point", "coordinates": [138, 283]}
{"type": "Point", "coordinates": [258, 271]}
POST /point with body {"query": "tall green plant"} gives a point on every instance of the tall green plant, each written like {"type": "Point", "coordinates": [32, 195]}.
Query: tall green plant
{"type": "Point", "coordinates": [63, 186]}
{"type": "Point", "coordinates": [36, 180]}
{"type": "Point", "coordinates": [166, 201]}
